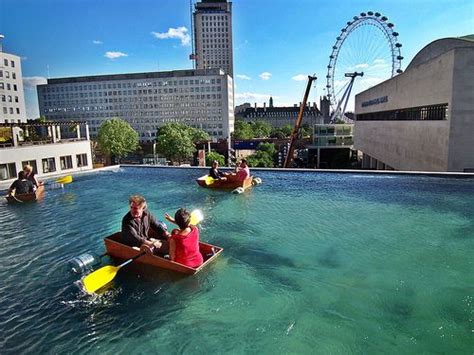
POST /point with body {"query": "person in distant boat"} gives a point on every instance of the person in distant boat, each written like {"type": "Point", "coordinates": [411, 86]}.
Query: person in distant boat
{"type": "Point", "coordinates": [137, 223]}
{"type": "Point", "coordinates": [21, 185]}
{"type": "Point", "coordinates": [30, 175]}
{"type": "Point", "coordinates": [215, 173]}
{"type": "Point", "coordinates": [242, 172]}
{"type": "Point", "coordinates": [184, 242]}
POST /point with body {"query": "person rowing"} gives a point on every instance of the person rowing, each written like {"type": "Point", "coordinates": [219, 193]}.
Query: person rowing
{"type": "Point", "coordinates": [21, 185]}
{"type": "Point", "coordinates": [30, 175]}
{"type": "Point", "coordinates": [137, 223]}
{"type": "Point", "coordinates": [242, 172]}
{"type": "Point", "coordinates": [215, 173]}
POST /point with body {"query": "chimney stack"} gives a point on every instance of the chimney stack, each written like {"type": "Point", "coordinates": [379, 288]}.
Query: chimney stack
{"type": "Point", "coordinates": [264, 107]}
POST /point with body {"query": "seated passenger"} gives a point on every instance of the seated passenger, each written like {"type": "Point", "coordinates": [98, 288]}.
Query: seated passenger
{"type": "Point", "coordinates": [242, 172]}
{"type": "Point", "coordinates": [215, 173]}
{"type": "Point", "coordinates": [21, 185]}
{"type": "Point", "coordinates": [30, 175]}
{"type": "Point", "coordinates": [137, 223]}
{"type": "Point", "coordinates": [184, 242]}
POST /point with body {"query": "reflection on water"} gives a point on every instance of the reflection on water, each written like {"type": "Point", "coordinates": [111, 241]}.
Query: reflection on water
{"type": "Point", "coordinates": [338, 263]}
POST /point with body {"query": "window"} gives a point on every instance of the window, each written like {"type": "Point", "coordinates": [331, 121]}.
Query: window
{"type": "Point", "coordinates": [5, 61]}
{"type": "Point", "coordinates": [81, 160]}
{"type": "Point", "coordinates": [49, 165]}
{"type": "Point", "coordinates": [17, 110]}
{"type": "Point", "coordinates": [7, 171]}
{"type": "Point", "coordinates": [12, 63]}
{"type": "Point", "coordinates": [7, 74]}
{"type": "Point", "coordinates": [1, 73]}
{"type": "Point", "coordinates": [31, 163]}
{"type": "Point", "coordinates": [66, 162]}
{"type": "Point", "coordinates": [14, 87]}
{"type": "Point", "coordinates": [14, 75]}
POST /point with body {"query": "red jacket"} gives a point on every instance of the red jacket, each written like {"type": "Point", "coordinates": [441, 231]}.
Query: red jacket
{"type": "Point", "coordinates": [187, 248]}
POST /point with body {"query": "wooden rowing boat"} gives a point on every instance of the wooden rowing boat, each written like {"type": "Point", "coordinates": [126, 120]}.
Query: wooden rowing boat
{"type": "Point", "coordinates": [121, 251]}
{"type": "Point", "coordinates": [29, 197]}
{"type": "Point", "coordinates": [206, 181]}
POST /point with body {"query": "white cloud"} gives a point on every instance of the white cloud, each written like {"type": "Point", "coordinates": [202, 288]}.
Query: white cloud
{"type": "Point", "coordinates": [96, 41]}
{"type": "Point", "coordinates": [114, 55]}
{"type": "Point", "coordinates": [180, 33]}
{"type": "Point", "coordinates": [299, 77]}
{"type": "Point", "coordinates": [265, 75]}
{"type": "Point", "coordinates": [379, 61]}
{"type": "Point", "coordinates": [243, 77]}
{"type": "Point", "coordinates": [30, 82]}
{"type": "Point", "coordinates": [252, 96]}
{"type": "Point", "coordinates": [361, 66]}
{"type": "Point", "coordinates": [24, 58]}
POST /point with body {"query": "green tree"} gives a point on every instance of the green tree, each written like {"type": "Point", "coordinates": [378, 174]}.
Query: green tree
{"type": "Point", "coordinates": [176, 141]}
{"type": "Point", "coordinates": [261, 129]}
{"type": "Point", "coordinates": [263, 157]}
{"type": "Point", "coordinates": [211, 156]}
{"type": "Point", "coordinates": [242, 130]}
{"type": "Point", "coordinates": [117, 138]}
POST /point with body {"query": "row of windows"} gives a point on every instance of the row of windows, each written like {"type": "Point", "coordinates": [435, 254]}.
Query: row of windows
{"type": "Point", "coordinates": [218, 29]}
{"type": "Point", "coordinates": [214, 17]}
{"type": "Point", "coordinates": [215, 24]}
{"type": "Point", "coordinates": [132, 85]}
{"type": "Point", "coordinates": [165, 100]}
{"type": "Point", "coordinates": [8, 171]}
{"type": "Point", "coordinates": [5, 63]}
{"type": "Point", "coordinates": [8, 98]}
{"type": "Point", "coordinates": [51, 96]}
{"type": "Point", "coordinates": [11, 110]}
{"type": "Point", "coordinates": [7, 74]}
{"type": "Point", "coordinates": [8, 86]}
{"type": "Point", "coordinates": [422, 113]}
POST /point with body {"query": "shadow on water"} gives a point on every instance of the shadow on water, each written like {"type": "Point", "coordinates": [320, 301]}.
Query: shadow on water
{"type": "Point", "coordinates": [330, 258]}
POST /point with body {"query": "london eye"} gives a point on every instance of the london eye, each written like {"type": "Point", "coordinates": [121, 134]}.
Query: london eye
{"type": "Point", "coordinates": [365, 53]}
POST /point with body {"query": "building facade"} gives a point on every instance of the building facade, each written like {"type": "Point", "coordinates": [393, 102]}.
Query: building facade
{"type": "Point", "coordinates": [279, 116]}
{"type": "Point", "coordinates": [213, 35]}
{"type": "Point", "coordinates": [12, 99]}
{"type": "Point", "coordinates": [422, 119]}
{"type": "Point", "coordinates": [50, 148]}
{"type": "Point", "coordinates": [199, 98]}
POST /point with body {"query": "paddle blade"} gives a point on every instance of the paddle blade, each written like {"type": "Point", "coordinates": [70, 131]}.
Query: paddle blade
{"type": "Point", "coordinates": [99, 278]}
{"type": "Point", "coordinates": [64, 180]}
{"type": "Point", "coordinates": [196, 217]}
{"type": "Point", "coordinates": [209, 180]}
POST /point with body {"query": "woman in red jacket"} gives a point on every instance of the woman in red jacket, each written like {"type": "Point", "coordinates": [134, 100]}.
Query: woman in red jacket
{"type": "Point", "coordinates": [184, 242]}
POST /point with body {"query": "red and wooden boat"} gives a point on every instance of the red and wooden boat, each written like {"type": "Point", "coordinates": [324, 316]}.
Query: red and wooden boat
{"type": "Point", "coordinates": [29, 197]}
{"type": "Point", "coordinates": [210, 183]}
{"type": "Point", "coordinates": [118, 250]}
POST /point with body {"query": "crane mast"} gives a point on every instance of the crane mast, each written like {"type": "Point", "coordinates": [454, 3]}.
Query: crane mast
{"type": "Point", "coordinates": [299, 119]}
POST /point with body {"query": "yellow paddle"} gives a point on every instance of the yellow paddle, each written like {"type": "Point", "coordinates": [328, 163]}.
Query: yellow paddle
{"type": "Point", "coordinates": [101, 277]}
{"type": "Point", "coordinates": [209, 180]}
{"type": "Point", "coordinates": [64, 180]}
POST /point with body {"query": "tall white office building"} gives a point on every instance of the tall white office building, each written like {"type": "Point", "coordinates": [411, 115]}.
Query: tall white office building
{"type": "Point", "coordinates": [200, 98]}
{"type": "Point", "coordinates": [213, 35]}
{"type": "Point", "coordinates": [12, 99]}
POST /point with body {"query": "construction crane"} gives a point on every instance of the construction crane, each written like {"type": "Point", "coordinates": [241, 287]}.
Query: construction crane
{"type": "Point", "coordinates": [296, 129]}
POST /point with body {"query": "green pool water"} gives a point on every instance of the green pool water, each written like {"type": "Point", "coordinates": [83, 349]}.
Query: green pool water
{"type": "Point", "coordinates": [313, 263]}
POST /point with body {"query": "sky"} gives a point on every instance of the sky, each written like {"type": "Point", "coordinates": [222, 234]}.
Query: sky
{"type": "Point", "coordinates": [277, 43]}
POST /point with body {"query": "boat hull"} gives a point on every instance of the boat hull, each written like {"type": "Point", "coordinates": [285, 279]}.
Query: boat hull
{"type": "Point", "coordinates": [121, 251]}
{"type": "Point", "coordinates": [225, 184]}
{"type": "Point", "coordinates": [30, 197]}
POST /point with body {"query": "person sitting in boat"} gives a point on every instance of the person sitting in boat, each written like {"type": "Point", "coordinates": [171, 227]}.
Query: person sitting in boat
{"type": "Point", "coordinates": [21, 185]}
{"type": "Point", "coordinates": [30, 175]}
{"type": "Point", "coordinates": [215, 173]}
{"type": "Point", "coordinates": [184, 242]}
{"type": "Point", "coordinates": [242, 172]}
{"type": "Point", "coordinates": [137, 223]}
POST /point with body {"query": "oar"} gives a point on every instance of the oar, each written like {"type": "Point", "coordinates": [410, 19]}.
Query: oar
{"type": "Point", "coordinates": [99, 278]}
{"type": "Point", "coordinates": [209, 180]}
